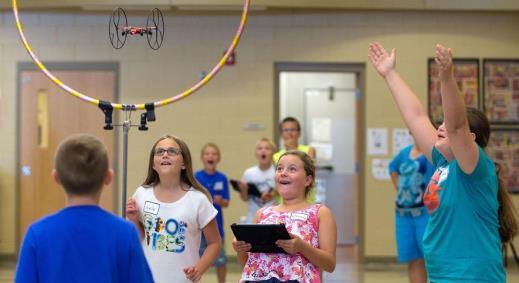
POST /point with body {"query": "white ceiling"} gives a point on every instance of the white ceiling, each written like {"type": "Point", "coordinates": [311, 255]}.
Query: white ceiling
{"type": "Point", "coordinates": [231, 5]}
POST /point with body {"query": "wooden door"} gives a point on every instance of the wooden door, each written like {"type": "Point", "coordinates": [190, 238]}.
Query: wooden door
{"type": "Point", "coordinates": [46, 116]}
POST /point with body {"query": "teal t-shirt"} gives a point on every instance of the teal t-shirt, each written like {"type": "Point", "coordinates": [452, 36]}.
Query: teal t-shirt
{"type": "Point", "coordinates": [461, 242]}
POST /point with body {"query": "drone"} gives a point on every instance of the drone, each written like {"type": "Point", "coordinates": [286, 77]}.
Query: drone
{"type": "Point", "coordinates": [118, 29]}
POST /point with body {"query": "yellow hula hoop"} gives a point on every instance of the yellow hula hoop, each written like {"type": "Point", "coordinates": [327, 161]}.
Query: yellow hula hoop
{"type": "Point", "coordinates": [119, 106]}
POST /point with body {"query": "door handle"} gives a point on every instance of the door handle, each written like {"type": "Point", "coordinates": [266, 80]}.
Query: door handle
{"type": "Point", "coordinates": [325, 168]}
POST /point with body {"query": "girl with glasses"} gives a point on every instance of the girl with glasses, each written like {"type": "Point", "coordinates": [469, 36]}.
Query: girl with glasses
{"type": "Point", "coordinates": [171, 210]}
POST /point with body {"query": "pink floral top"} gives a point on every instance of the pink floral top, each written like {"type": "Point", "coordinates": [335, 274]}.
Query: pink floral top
{"type": "Point", "coordinates": [262, 266]}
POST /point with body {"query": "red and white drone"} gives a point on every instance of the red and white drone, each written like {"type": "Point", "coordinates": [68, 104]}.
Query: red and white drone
{"type": "Point", "coordinates": [119, 29]}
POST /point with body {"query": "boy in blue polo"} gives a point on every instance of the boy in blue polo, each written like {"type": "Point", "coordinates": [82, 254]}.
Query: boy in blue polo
{"type": "Point", "coordinates": [82, 242]}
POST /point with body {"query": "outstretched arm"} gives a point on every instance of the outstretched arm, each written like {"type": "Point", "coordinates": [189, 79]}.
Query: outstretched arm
{"type": "Point", "coordinates": [461, 139]}
{"type": "Point", "coordinates": [411, 109]}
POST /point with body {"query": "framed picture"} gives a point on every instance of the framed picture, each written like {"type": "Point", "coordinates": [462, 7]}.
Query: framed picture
{"type": "Point", "coordinates": [501, 90]}
{"type": "Point", "coordinates": [466, 72]}
{"type": "Point", "coordinates": [503, 148]}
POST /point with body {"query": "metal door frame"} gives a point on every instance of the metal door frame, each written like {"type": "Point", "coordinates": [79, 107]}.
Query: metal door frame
{"type": "Point", "coordinates": [359, 69]}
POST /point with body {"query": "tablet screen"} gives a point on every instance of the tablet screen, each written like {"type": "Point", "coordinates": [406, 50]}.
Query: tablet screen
{"type": "Point", "coordinates": [262, 237]}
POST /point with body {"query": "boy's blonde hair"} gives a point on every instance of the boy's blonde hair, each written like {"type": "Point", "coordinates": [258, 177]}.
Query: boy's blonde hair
{"type": "Point", "coordinates": [213, 145]}
{"type": "Point", "coordinates": [81, 164]}
{"type": "Point", "coordinates": [269, 142]}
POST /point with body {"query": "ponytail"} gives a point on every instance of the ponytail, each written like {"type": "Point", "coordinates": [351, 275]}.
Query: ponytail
{"type": "Point", "coordinates": [507, 213]}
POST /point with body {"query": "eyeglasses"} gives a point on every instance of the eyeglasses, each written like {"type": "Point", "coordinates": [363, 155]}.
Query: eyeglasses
{"type": "Point", "coordinates": [289, 130]}
{"type": "Point", "coordinates": [172, 151]}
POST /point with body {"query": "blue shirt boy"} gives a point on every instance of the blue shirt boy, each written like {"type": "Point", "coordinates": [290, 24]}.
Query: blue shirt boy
{"type": "Point", "coordinates": [82, 244]}
{"type": "Point", "coordinates": [217, 185]}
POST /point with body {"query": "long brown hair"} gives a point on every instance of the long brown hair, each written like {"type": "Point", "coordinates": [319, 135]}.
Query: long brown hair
{"type": "Point", "coordinates": [186, 174]}
{"type": "Point", "coordinates": [479, 125]}
{"type": "Point", "coordinates": [507, 212]}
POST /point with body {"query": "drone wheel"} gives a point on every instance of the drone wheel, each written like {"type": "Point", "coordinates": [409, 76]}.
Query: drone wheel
{"type": "Point", "coordinates": [155, 28]}
{"type": "Point", "coordinates": [116, 25]}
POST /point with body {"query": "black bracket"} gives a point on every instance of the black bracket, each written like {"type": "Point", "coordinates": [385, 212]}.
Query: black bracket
{"type": "Point", "coordinates": [148, 116]}
{"type": "Point", "coordinates": [108, 110]}
{"type": "Point", "coordinates": [150, 111]}
{"type": "Point", "coordinates": [129, 107]}
{"type": "Point", "coordinates": [143, 126]}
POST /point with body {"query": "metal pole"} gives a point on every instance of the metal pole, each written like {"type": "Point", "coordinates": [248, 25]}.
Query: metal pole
{"type": "Point", "coordinates": [126, 129]}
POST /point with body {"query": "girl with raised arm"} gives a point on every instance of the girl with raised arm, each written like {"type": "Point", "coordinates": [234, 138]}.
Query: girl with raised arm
{"type": "Point", "coordinates": [471, 216]}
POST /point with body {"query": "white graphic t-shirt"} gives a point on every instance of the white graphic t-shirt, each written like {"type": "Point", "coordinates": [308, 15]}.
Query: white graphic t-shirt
{"type": "Point", "coordinates": [172, 232]}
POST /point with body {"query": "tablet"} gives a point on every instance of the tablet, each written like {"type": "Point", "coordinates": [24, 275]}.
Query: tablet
{"type": "Point", "coordinates": [262, 237]}
{"type": "Point", "coordinates": [235, 185]}
{"type": "Point", "coordinates": [252, 188]}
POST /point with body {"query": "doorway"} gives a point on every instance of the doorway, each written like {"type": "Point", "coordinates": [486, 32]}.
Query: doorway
{"type": "Point", "coordinates": [47, 115]}
{"type": "Point", "coordinates": [327, 100]}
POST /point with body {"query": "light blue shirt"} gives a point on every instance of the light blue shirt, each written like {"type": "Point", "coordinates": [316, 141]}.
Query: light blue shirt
{"type": "Point", "coordinates": [461, 241]}
{"type": "Point", "coordinates": [413, 178]}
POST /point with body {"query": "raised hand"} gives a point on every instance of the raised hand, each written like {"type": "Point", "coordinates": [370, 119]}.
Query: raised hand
{"type": "Point", "coordinates": [383, 62]}
{"type": "Point", "coordinates": [132, 212]}
{"type": "Point", "coordinates": [443, 57]}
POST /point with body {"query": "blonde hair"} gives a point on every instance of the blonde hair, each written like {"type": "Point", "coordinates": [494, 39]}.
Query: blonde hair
{"type": "Point", "coordinates": [212, 145]}
{"type": "Point", "coordinates": [269, 142]}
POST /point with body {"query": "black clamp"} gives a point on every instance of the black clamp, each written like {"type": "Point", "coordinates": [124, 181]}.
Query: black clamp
{"type": "Point", "coordinates": [150, 111]}
{"type": "Point", "coordinates": [108, 110]}
{"type": "Point", "coordinates": [148, 116]}
{"type": "Point", "coordinates": [143, 126]}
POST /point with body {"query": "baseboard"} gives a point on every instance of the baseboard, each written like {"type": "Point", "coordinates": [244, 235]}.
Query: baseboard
{"type": "Point", "coordinates": [380, 259]}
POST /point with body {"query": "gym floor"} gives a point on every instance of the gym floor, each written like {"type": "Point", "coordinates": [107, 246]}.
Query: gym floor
{"type": "Point", "coordinates": [347, 271]}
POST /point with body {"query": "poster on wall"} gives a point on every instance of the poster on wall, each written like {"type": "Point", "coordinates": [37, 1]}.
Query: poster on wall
{"type": "Point", "coordinates": [379, 169]}
{"type": "Point", "coordinates": [466, 73]}
{"type": "Point", "coordinates": [377, 141]}
{"type": "Point", "coordinates": [501, 90]}
{"type": "Point", "coordinates": [503, 148]}
{"type": "Point", "coordinates": [401, 138]}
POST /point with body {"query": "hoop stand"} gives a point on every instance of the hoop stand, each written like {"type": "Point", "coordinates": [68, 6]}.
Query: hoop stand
{"type": "Point", "coordinates": [148, 116]}
{"type": "Point", "coordinates": [126, 129]}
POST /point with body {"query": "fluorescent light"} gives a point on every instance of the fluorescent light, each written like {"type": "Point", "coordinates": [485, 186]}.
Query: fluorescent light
{"type": "Point", "coordinates": [218, 8]}
{"type": "Point", "coordinates": [100, 7]}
